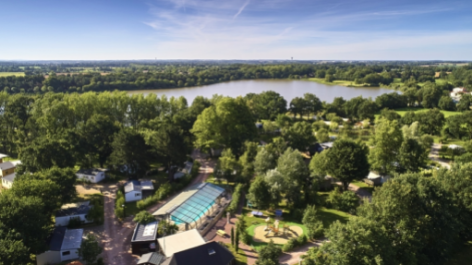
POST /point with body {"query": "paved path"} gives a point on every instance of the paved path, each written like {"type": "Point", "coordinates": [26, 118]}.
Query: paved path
{"type": "Point", "coordinates": [293, 256]}
{"type": "Point", "coordinates": [434, 155]}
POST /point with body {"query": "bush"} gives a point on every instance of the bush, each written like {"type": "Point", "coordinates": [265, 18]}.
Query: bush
{"type": "Point", "coordinates": [233, 206]}
{"type": "Point", "coordinates": [346, 201]}
{"type": "Point", "coordinates": [120, 200]}
{"type": "Point", "coordinates": [301, 240]}
{"type": "Point", "coordinates": [315, 230]}
{"type": "Point", "coordinates": [291, 244]}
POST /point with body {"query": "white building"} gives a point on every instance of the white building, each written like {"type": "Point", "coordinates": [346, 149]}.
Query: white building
{"type": "Point", "coordinates": [457, 93]}
{"type": "Point", "coordinates": [73, 210]}
{"type": "Point", "coordinates": [7, 171]}
{"type": "Point", "coordinates": [63, 245]}
{"type": "Point", "coordinates": [7, 181]}
{"type": "Point", "coordinates": [133, 191]}
{"type": "Point", "coordinates": [93, 175]}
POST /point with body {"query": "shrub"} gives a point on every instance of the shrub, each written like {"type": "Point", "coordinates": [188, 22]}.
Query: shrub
{"type": "Point", "coordinates": [301, 240]}
{"type": "Point", "coordinates": [346, 201]}
{"type": "Point", "coordinates": [144, 217]}
{"type": "Point", "coordinates": [291, 244]}
{"type": "Point", "coordinates": [120, 200]}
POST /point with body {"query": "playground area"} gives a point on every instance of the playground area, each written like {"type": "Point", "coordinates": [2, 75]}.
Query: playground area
{"type": "Point", "coordinates": [276, 231]}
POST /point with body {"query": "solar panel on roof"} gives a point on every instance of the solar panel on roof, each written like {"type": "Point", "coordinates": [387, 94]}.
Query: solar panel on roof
{"type": "Point", "coordinates": [149, 229]}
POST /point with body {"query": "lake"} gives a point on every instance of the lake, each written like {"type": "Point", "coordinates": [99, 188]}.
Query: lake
{"type": "Point", "coordinates": [289, 89]}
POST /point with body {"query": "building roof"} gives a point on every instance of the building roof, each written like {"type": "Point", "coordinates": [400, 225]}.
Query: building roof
{"type": "Point", "coordinates": [152, 258]}
{"type": "Point", "coordinates": [7, 165]}
{"type": "Point", "coordinates": [145, 232]}
{"type": "Point", "coordinates": [72, 211]}
{"type": "Point", "coordinates": [146, 185]}
{"type": "Point", "coordinates": [180, 242]}
{"type": "Point", "coordinates": [92, 171]}
{"type": "Point", "coordinates": [3, 156]}
{"type": "Point", "coordinates": [72, 239]}
{"type": "Point", "coordinates": [178, 200]}
{"type": "Point", "coordinates": [211, 253]}
{"type": "Point", "coordinates": [327, 145]}
{"type": "Point", "coordinates": [133, 185]}
{"type": "Point", "coordinates": [373, 175]}
{"type": "Point", "coordinates": [10, 178]}
{"type": "Point", "coordinates": [62, 238]}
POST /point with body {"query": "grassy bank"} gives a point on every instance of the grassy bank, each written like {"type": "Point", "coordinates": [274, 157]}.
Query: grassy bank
{"type": "Point", "coordinates": [337, 82]}
{"type": "Point", "coordinates": [4, 74]}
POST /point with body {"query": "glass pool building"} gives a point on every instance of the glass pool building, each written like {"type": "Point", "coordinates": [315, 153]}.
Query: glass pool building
{"type": "Point", "coordinates": [190, 205]}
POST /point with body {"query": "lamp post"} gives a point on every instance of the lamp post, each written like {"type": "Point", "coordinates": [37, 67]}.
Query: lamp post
{"type": "Point", "coordinates": [124, 214]}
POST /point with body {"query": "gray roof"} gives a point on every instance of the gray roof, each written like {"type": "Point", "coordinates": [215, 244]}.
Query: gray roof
{"type": "Point", "coordinates": [3, 156]}
{"type": "Point", "coordinates": [72, 239]}
{"type": "Point", "coordinates": [72, 211]}
{"type": "Point", "coordinates": [152, 258]}
{"type": "Point", "coordinates": [92, 171]}
{"type": "Point", "coordinates": [147, 185]}
{"type": "Point", "coordinates": [55, 241]}
{"type": "Point", "coordinates": [10, 178]}
{"type": "Point", "coordinates": [133, 185]}
{"type": "Point", "coordinates": [7, 165]}
{"type": "Point", "coordinates": [211, 253]}
{"type": "Point", "coordinates": [147, 232]}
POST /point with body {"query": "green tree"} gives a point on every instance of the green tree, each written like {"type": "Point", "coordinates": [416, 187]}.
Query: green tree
{"type": "Point", "coordinates": [236, 242]}
{"type": "Point", "coordinates": [167, 228]}
{"type": "Point", "coordinates": [322, 135]}
{"type": "Point", "coordinates": [247, 161]}
{"type": "Point", "coordinates": [228, 166]}
{"type": "Point", "coordinates": [13, 251]}
{"type": "Point", "coordinates": [264, 161]}
{"type": "Point", "coordinates": [390, 115]}
{"type": "Point", "coordinates": [386, 141]}
{"type": "Point", "coordinates": [269, 104]}
{"type": "Point", "coordinates": [312, 222]}
{"type": "Point", "coordinates": [275, 182]}
{"type": "Point", "coordinates": [464, 102]}
{"type": "Point", "coordinates": [232, 236]}
{"type": "Point", "coordinates": [297, 106]}
{"type": "Point", "coordinates": [259, 193]}
{"type": "Point", "coordinates": [299, 135]}
{"type": "Point", "coordinates": [347, 161]}
{"type": "Point", "coordinates": [227, 124]}
{"type": "Point", "coordinates": [295, 172]}
{"type": "Point", "coordinates": [446, 103]}
{"type": "Point", "coordinates": [144, 217]}
{"type": "Point", "coordinates": [411, 155]}
{"type": "Point", "coordinates": [269, 254]}
{"type": "Point", "coordinates": [89, 249]}
{"type": "Point", "coordinates": [44, 153]}
{"type": "Point", "coordinates": [130, 150]}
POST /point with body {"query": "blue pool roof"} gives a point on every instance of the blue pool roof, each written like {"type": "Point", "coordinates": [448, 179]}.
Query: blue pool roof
{"type": "Point", "coordinates": [195, 206]}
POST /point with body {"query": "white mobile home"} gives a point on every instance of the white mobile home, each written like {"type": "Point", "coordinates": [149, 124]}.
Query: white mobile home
{"type": "Point", "coordinates": [63, 245]}
{"type": "Point", "coordinates": [133, 191]}
{"type": "Point", "coordinates": [93, 175]}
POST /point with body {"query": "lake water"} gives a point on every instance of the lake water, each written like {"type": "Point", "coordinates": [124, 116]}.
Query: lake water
{"type": "Point", "coordinates": [289, 89]}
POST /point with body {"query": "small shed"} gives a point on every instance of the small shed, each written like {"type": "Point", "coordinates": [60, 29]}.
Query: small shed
{"type": "Point", "coordinates": [133, 191]}
{"type": "Point", "coordinates": [151, 258]}
{"type": "Point", "coordinates": [147, 188]}
{"type": "Point", "coordinates": [144, 238]}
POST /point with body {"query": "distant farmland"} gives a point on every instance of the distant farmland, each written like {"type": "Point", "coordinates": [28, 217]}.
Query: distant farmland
{"type": "Point", "coordinates": [3, 74]}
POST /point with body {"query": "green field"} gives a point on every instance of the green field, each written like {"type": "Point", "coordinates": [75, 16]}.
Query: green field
{"type": "Point", "coordinates": [446, 113]}
{"type": "Point", "coordinates": [336, 82]}
{"type": "Point", "coordinates": [3, 74]}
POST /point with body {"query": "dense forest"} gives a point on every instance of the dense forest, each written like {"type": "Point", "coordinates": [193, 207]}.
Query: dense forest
{"type": "Point", "coordinates": [109, 76]}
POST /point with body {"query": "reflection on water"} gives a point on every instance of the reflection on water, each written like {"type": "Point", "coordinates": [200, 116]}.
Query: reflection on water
{"type": "Point", "coordinates": [289, 89]}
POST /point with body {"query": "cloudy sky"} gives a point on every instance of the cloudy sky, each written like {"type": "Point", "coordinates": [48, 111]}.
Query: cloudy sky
{"type": "Point", "coordinates": [236, 29]}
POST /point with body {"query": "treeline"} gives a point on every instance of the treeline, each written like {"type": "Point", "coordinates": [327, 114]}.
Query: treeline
{"type": "Point", "coordinates": [137, 77]}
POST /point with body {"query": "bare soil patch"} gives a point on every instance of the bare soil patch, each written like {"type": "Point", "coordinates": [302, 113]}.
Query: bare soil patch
{"type": "Point", "coordinates": [281, 238]}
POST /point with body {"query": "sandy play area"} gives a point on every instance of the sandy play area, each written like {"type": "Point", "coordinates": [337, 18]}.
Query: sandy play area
{"type": "Point", "coordinates": [292, 231]}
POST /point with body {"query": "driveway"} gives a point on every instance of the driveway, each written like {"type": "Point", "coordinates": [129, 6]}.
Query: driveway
{"type": "Point", "coordinates": [434, 155]}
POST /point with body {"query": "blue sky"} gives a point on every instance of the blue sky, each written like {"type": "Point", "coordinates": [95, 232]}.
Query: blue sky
{"type": "Point", "coordinates": [236, 29]}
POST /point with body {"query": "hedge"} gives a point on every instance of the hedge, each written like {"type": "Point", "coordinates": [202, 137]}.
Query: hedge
{"type": "Point", "coordinates": [295, 242]}
{"type": "Point", "coordinates": [233, 206]}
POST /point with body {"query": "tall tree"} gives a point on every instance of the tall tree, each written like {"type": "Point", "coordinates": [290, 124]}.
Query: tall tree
{"type": "Point", "coordinates": [259, 193]}
{"type": "Point", "coordinates": [264, 161]}
{"type": "Point", "coordinates": [347, 161]}
{"type": "Point", "coordinates": [295, 172]}
{"type": "Point", "coordinates": [299, 135]}
{"type": "Point", "coordinates": [227, 124]}
{"type": "Point", "coordinates": [386, 141]}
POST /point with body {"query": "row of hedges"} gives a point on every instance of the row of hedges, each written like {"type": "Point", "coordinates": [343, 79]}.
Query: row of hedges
{"type": "Point", "coordinates": [120, 200]}
{"type": "Point", "coordinates": [167, 189]}
{"type": "Point", "coordinates": [294, 242]}
{"type": "Point", "coordinates": [235, 199]}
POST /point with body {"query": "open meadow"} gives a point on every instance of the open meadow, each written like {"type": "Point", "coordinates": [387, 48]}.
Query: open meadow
{"type": "Point", "coordinates": [4, 74]}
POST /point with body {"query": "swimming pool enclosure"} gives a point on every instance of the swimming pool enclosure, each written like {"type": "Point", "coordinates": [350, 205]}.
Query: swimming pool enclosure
{"type": "Point", "coordinates": [195, 206]}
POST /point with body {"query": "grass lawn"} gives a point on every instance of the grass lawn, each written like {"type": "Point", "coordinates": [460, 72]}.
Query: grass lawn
{"type": "Point", "coordinates": [3, 74]}
{"type": "Point", "coordinates": [363, 185]}
{"type": "Point", "coordinates": [241, 258]}
{"type": "Point", "coordinates": [336, 82]}
{"type": "Point", "coordinates": [329, 216]}
{"type": "Point", "coordinates": [131, 209]}
{"type": "Point", "coordinates": [463, 257]}
{"type": "Point", "coordinates": [446, 113]}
